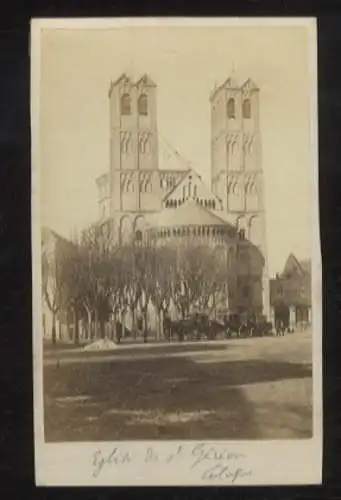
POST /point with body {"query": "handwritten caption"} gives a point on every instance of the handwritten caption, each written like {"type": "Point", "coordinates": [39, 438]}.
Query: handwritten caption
{"type": "Point", "coordinates": [211, 463]}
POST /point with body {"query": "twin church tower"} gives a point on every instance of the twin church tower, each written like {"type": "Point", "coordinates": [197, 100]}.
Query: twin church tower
{"type": "Point", "coordinates": [136, 188]}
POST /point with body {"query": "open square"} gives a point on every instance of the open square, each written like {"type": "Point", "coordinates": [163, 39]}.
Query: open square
{"type": "Point", "coordinates": [237, 389]}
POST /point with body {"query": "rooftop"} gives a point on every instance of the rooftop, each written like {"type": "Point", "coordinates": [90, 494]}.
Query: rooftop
{"type": "Point", "coordinates": [190, 213]}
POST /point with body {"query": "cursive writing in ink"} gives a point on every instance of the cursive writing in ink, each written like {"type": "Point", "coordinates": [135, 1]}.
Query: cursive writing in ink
{"type": "Point", "coordinates": [223, 471]}
{"type": "Point", "coordinates": [203, 452]}
{"type": "Point", "coordinates": [115, 457]}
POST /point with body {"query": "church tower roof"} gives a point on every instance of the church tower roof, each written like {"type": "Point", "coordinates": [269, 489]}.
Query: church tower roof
{"type": "Point", "coordinates": [190, 213]}
{"type": "Point", "coordinates": [146, 81]}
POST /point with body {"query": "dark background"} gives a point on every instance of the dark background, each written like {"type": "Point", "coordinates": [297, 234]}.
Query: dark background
{"type": "Point", "coordinates": [16, 408]}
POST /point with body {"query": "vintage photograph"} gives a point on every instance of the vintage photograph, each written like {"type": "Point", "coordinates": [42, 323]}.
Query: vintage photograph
{"type": "Point", "coordinates": [175, 180]}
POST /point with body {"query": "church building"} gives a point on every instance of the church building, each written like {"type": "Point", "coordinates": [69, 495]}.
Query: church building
{"type": "Point", "coordinates": [141, 199]}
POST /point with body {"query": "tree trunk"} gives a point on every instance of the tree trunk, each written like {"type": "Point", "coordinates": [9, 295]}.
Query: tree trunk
{"type": "Point", "coordinates": [96, 325]}
{"type": "Point", "coordinates": [123, 315]}
{"type": "Point", "coordinates": [60, 335]}
{"type": "Point", "coordinates": [53, 333]}
{"type": "Point", "coordinates": [89, 324]}
{"type": "Point", "coordinates": [114, 330]}
{"type": "Point", "coordinates": [133, 327]}
{"type": "Point", "coordinates": [158, 324]}
{"type": "Point", "coordinates": [76, 319]}
{"type": "Point", "coordinates": [102, 328]}
{"type": "Point", "coordinates": [69, 329]}
{"type": "Point", "coordinates": [145, 330]}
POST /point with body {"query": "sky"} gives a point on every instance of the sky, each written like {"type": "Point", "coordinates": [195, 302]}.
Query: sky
{"type": "Point", "coordinates": [186, 63]}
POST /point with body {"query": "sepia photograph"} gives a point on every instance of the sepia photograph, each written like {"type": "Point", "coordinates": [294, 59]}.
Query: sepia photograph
{"type": "Point", "coordinates": [176, 255]}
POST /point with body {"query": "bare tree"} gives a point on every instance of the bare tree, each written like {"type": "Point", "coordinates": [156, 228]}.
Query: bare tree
{"type": "Point", "coordinates": [161, 293]}
{"type": "Point", "coordinates": [201, 277]}
{"type": "Point", "coordinates": [94, 276]}
{"type": "Point", "coordinates": [54, 286]}
{"type": "Point", "coordinates": [144, 270]}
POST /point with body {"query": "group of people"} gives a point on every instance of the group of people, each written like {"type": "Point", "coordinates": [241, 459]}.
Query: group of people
{"type": "Point", "coordinates": [197, 324]}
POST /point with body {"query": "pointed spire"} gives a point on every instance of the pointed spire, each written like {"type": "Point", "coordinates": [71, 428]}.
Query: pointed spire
{"type": "Point", "coordinates": [233, 75]}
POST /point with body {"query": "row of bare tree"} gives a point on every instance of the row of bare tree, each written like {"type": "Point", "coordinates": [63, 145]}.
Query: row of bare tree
{"type": "Point", "coordinates": [99, 281]}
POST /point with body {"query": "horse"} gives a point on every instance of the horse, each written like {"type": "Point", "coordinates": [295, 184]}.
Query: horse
{"type": "Point", "coordinates": [280, 328]}
{"type": "Point", "coordinates": [211, 328]}
{"type": "Point", "coordinates": [172, 329]}
{"type": "Point", "coordinates": [234, 325]}
{"type": "Point", "coordinates": [189, 328]}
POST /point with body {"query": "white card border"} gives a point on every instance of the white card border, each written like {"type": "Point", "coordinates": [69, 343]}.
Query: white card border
{"type": "Point", "coordinates": [277, 462]}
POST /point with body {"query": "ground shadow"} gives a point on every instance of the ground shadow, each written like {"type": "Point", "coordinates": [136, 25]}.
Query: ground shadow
{"type": "Point", "coordinates": [162, 398]}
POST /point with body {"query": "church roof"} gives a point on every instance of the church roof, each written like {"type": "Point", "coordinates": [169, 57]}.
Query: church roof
{"type": "Point", "coordinates": [229, 83]}
{"type": "Point", "coordinates": [302, 266]}
{"type": "Point", "coordinates": [305, 265]}
{"type": "Point", "coordinates": [169, 158]}
{"type": "Point", "coordinates": [47, 233]}
{"type": "Point", "coordinates": [146, 80]}
{"type": "Point", "coordinates": [249, 84]}
{"type": "Point", "coordinates": [228, 218]}
{"type": "Point", "coordinates": [188, 214]}
{"type": "Point", "coordinates": [232, 83]}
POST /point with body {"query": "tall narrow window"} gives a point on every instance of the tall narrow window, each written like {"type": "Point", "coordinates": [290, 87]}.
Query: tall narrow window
{"type": "Point", "coordinates": [247, 108]}
{"type": "Point", "coordinates": [142, 105]}
{"type": "Point", "coordinates": [231, 111]}
{"type": "Point", "coordinates": [129, 187]}
{"type": "Point", "coordinates": [125, 104]}
{"type": "Point", "coordinates": [138, 235]}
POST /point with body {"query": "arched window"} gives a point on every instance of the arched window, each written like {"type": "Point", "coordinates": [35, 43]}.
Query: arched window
{"type": "Point", "coordinates": [148, 187]}
{"type": "Point", "coordinates": [138, 235]}
{"type": "Point", "coordinates": [247, 108]}
{"type": "Point", "coordinates": [129, 187]}
{"type": "Point", "coordinates": [213, 204]}
{"type": "Point", "coordinates": [142, 105]}
{"type": "Point", "coordinates": [175, 203]}
{"type": "Point", "coordinates": [125, 104]}
{"type": "Point", "coordinates": [231, 108]}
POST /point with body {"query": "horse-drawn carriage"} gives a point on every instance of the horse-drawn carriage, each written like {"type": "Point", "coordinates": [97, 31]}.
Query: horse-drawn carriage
{"type": "Point", "coordinates": [246, 325]}
{"type": "Point", "coordinates": [200, 326]}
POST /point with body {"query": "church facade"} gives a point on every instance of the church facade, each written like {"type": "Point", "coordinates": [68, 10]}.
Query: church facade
{"type": "Point", "coordinates": [139, 199]}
